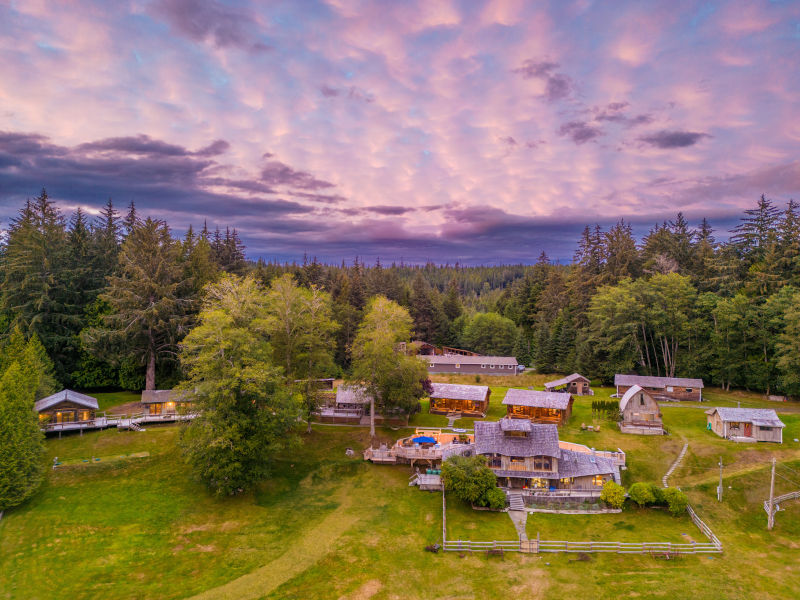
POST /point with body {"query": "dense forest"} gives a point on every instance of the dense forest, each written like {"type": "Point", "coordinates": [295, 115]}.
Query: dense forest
{"type": "Point", "coordinates": [674, 303]}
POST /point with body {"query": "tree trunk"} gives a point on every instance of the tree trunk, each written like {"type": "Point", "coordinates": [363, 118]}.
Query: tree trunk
{"type": "Point", "coordinates": [372, 417]}
{"type": "Point", "coordinates": [150, 377]}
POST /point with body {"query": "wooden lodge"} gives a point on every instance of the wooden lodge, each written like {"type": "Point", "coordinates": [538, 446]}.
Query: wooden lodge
{"type": "Point", "coordinates": [472, 365]}
{"type": "Point", "coordinates": [67, 410]}
{"type": "Point", "coordinates": [539, 407]}
{"type": "Point", "coordinates": [349, 405]}
{"type": "Point", "coordinates": [528, 456]}
{"type": "Point", "coordinates": [466, 400]}
{"type": "Point", "coordinates": [662, 388]}
{"type": "Point", "coordinates": [746, 424]}
{"type": "Point", "coordinates": [165, 403]}
{"type": "Point", "coordinates": [574, 384]}
{"type": "Point", "coordinates": [640, 413]}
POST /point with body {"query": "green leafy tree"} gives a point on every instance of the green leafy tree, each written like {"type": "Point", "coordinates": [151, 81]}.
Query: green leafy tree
{"type": "Point", "coordinates": [469, 479]}
{"type": "Point", "coordinates": [676, 500]}
{"type": "Point", "coordinates": [641, 493]}
{"type": "Point", "coordinates": [245, 412]}
{"type": "Point", "coordinates": [489, 334]}
{"type": "Point", "coordinates": [613, 494]}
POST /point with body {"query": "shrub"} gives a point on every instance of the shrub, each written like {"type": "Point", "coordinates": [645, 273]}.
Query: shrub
{"type": "Point", "coordinates": [468, 478]}
{"type": "Point", "coordinates": [495, 498]}
{"type": "Point", "coordinates": [641, 493]}
{"type": "Point", "coordinates": [613, 494]}
{"type": "Point", "coordinates": [676, 500]}
{"type": "Point", "coordinates": [658, 494]}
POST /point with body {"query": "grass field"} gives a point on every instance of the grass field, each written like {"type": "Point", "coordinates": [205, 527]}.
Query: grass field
{"type": "Point", "coordinates": [328, 526]}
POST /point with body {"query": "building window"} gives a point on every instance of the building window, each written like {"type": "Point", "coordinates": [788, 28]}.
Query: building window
{"type": "Point", "coordinates": [483, 366]}
{"type": "Point", "coordinates": [597, 480]}
{"type": "Point", "coordinates": [765, 428]}
{"type": "Point", "coordinates": [495, 462]}
{"type": "Point", "coordinates": [458, 366]}
{"type": "Point", "coordinates": [542, 463]}
{"type": "Point", "coordinates": [567, 480]}
{"type": "Point", "coordinates": [491, 366]}
{"type": "Point", "coordinates": [431, 366]}
{"type": "Point", "coordinates": [689, 390]}
{"type": "Point", "coordinates": [641, 400]}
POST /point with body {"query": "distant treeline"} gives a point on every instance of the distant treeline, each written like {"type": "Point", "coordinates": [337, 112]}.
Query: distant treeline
{"type": "Point", "coordinates": [676, 303]}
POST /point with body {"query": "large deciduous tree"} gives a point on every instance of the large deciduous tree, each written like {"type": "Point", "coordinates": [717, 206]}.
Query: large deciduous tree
{"type": "Point", "coordinates": [245, 412]}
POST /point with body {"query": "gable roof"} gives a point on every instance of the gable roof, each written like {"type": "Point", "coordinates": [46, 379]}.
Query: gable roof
{"type": "Point", "coordinates": [455, 391]}
{"type": "Point", "coordinates": [542, 439]}
{"type": "Point", "coordinates": [764, 417]}
{"type": "Point", "coordinates": [557, 400]}
{"type": "Point", "coordinates": [155, 396]}
{"type": "Point", "coordinates": [647, 381]}
{"type": "Point", "coordinates": [66, 396]}
{"type": "Point", "coordinates": [580, 464]}
{"type": "Point", "coordinates": [452, 359]}
{"type": "Point", "coordinates": [623, 402]}
{"type": "Point", "coordinates": [566, 380]}
{"type": "Point", "coordinates": [351, 394]}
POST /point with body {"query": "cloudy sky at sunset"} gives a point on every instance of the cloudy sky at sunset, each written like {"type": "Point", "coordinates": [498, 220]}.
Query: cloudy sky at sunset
{"type": "Point", "coordinates": [475, 131]}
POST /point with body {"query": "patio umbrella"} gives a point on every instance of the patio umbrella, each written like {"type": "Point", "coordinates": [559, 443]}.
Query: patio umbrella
{"type": "Point", "coordinates": [424, 439]}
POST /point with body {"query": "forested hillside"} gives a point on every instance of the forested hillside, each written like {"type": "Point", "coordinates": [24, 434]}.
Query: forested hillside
{"type": "Point", "coordinates": [675, 303]}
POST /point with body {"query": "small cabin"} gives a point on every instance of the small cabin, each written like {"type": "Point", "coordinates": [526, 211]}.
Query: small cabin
{"type": "Point", "coordinates": [165, 403]}
{"type": "Point", "coordinates": [472, 365]}
{"type": "Point", "coordinates": [539, 407]}
{"type": "Point", "coordinates": [348, 406]}
{"type": "Point", "coordinates": [640, 413]}
{"type": "Point", "coordinates": [666, 389]}
{"type": "Point", "coordinates": [746, 424]}
{"type": "Point", "coordinates": [467, 400]}
{"type": "Point", "coordinates": [574, 384]}
{"type": "Point", "coordinates": [67, 409]}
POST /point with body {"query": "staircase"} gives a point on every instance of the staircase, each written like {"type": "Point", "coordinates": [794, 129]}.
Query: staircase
{"type": "Point", "coordinates": [515, 501]}
{"type": "Point", "coordinates": [675, 464]}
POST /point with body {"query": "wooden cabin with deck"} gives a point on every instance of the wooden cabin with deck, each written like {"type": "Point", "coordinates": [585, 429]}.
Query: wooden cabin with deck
{"type": "Point", "coordinates": [466, 400]}
{"type": "Point", "coordinates": [539, 407]}
{"type": "Point", "coordinates": [529, 456]}
{"type": "Point", "coordinates": [662, 388]}
{"type": "Point", "coordinates": [472, 365]}
{"type": "Point", "coordinates": [640, 413]}
{"type": "Point", "coordinates": [165, 403]}
{"type": "Point", "coordinates": [67, 410]}
{"type": "Point", "coordinates": [746, 424]}
{"type": "Point", "coordinates": [349, 405]}
{"type": "Point", "coordinates": [574, 384]}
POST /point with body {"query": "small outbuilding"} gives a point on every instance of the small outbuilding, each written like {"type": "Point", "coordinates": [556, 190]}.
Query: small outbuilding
{"type": "Point", "coordinates": [66, 407]}
{"type": "Point", "coordinates": [745, 424]}
{"type": "Point", "coordinates": [640, 413]}
{"type": "Point", "coordinates": [662, 388]}
{"type": "Point", "coordinates": [468, 400]}
{"type": "Point", "coordinates": [539, 407]}
{"type": "Point", "coordinates": [574, 384]}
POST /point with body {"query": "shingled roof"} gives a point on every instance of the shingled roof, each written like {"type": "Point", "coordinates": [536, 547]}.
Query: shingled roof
{"type": "Point", "coordinates": [66, 396]}
{"type": "Point", "coordinates": [557, 400]}
{"type": "Point", "coordinates": [566, 380]}
{"type": "Point", "coordinates": [156, 396]}
{"type": "Point", "coordinates": [455, 391]}
{"type": "Point", "coordinates": [763, 417]}
{"type": "Point", "coordinates": [647, 381]}
{"type": "Point", "coordinates": [351, 394]}
{"type": "Point", "coordinates": [490, 438]}
{"type": "Point", "coordinates": [452, 359]}
{"type": "Point", "coordinates": [580, 464]}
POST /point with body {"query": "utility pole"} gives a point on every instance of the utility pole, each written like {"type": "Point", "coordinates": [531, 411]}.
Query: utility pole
{"type": "Point", "coordinates": [771, 515]}
{"type": "Point", "coordinates": [719, 488]}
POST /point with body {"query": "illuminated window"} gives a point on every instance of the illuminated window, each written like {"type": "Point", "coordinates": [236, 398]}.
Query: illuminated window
{"type": "Point", "coordinates": [597, 480]}
{"type": "Point", "coordinates": [458, 366]}
{"type": "Point", "coordinates": [491, 366]}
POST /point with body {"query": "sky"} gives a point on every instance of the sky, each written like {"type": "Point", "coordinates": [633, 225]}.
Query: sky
{"type": "Point", "coordinates": [481, 132]}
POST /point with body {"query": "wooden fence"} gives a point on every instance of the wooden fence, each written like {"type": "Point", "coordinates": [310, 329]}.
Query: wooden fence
{"type": "Point", "coordinates": [779, 499]}
{"type": "Point", "coordinates": [587, 547]}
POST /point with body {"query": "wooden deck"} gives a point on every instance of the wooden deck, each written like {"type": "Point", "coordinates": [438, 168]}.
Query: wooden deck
{"type": "Point", "coordinates": [118, 421]}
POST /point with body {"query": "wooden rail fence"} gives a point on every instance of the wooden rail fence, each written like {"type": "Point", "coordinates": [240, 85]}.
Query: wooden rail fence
{"type": "Point", "coordinates": [782, 498]}
{"type": "Point", "coordinates": [588, 547]}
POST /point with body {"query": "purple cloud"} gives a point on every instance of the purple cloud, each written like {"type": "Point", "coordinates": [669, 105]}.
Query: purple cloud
{"type": "Point", "coordinates": [579, 132]}
{"type": "Point", "coordinates": [278, 173]}
{"type": "Point", "coordinates": [673, 139]}
{"type": "Point", "coordinates": [557, 85]}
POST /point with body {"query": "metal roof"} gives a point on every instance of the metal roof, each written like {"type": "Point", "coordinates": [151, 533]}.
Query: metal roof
{"type": "Point", "coordinates": [455, 391]}
{"type": "Point", "coordinates": [647, 381]}
{"type": "Point", "coordinates": [66, 396]}
{"type": "Point", "coordinates": [557, 400]}
{"type": "Point", "coordinates": [623, 402]}
{"type": "Point", "coordinates": [490, 438]}
{"type": "Point", "coordinates": [452, 359]}
{"type": "Point", "coordinates": [566, 380]}
{"type": "Point", "coordinates": [763, 417]}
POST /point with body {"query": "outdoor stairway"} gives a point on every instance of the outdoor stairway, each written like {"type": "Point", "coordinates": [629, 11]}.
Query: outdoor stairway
{"type": "Point", "coordinates": [675, 464]}
{"type": "Point", "coordinates": [515, 502]}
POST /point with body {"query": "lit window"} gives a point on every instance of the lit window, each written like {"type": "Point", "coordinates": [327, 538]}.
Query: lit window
{"type": "Point", "coordinates": [597, 480]}
{"type": "Point", "coordinates": [483, 366]}
{"type": "Point", "coordinates": [430, 366]}
{"type": "Point", "coordinates": [458, 366]}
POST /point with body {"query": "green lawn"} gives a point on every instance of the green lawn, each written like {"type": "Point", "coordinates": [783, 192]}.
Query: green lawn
{"type": "Point", "coordinates": [329, 526]}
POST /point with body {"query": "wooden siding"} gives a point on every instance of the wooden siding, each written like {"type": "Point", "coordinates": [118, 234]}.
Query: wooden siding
{"type": "Point", "coordinates": [642, 411]}
{"type": "Point", "coordinates": [473, 369]}
{"type": "Point", "coordinates": [668, 393]}
{"type": "Point", "coordinates": [540, 415]}
{"type": "Point", "coordinates": [66, 412]}
{"type": "Point", "coordinates": [739, 429]}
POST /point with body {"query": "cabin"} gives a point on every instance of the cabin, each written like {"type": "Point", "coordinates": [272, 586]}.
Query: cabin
{"type": "Point", "coordinates": [665, 389]}
{"type": "Point", "coordinates": [165, 403]}
{"type": "Point", "coordinates": [745, 424]}
{"type": "Point", "coordinates": [640, 413]}
{"type": "Point", "coordinates": [574, 384]}
{"type": "Point", "coordinates": [529, 456]}
{"type": "Point", "coordinates": [349, 405]}
{"type": "Point", "coordinates": [539, 407]}
{"type": "Point", "coordinates": [67, 410]}
{"type": "Point", "coordinates": [472, 365]}
{"type": "Point", "coordinates": [467, 400]}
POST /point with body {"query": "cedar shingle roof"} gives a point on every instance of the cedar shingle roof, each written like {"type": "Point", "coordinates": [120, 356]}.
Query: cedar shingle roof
{"type": "Point", "coordinates": [580, 464]}
{"type": "Point", "coordinates": [156, 396]}
{"type": "Point", "coordinates": [566, 380]}
{"type": "Point", "coordinates": [351, 394]}
{"type": "Point", "coordinates": [764, 417]}
{"type": "Point", "coordinates": [557, 400]}
{"type": "Point", "coordinates": [455, 391]}
{"type": "Point", "coordinates": [542, 440]}
{"type": "Point", "coordinates": [647, 381]}
{"type": "Point", "coordinates": [452, 359]}
{"type": "Point", "coordinates": [66, 396]}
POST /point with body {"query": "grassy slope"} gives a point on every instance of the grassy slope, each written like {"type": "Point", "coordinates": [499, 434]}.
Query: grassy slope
{"type": "Point", "coordinates": [142, 529]}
